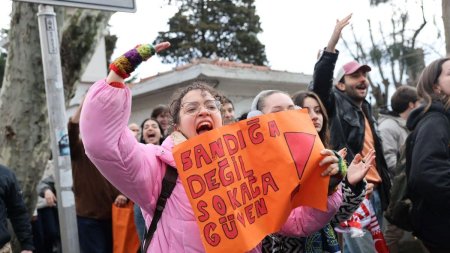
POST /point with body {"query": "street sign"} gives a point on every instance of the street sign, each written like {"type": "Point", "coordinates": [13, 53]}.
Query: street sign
{"type": "Point", "coordinates": [107, 5]}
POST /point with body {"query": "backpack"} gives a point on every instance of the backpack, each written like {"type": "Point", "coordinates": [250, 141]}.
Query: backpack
{"type": "Point", "coordinates": [399, 209]}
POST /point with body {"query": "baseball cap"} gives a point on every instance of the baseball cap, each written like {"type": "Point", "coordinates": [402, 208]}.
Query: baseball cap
{"type": "Point", "coordinates": [350, 68]}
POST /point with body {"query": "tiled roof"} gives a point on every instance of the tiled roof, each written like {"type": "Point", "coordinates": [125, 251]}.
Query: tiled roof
{"type": "Point", "coordinates": [216, 62]}
{"type": "Point", "coordinates": [222, 63]}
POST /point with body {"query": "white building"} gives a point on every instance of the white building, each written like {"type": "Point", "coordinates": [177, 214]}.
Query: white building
{"type": "Point", "coordinates": [239, 82]}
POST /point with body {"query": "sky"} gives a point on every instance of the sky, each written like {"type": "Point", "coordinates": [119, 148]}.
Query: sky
{"type": "Point", "coordinates": [293, 30]}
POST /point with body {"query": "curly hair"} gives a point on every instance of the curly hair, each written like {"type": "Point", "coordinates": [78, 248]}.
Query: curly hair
{"type": "Point", "coordinates": [198, 84]}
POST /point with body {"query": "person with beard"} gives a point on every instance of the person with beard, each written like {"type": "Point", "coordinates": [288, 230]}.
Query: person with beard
{"type": "Point", "coordinates": [428, 158]}
{"type": "Point", "coordinates": [352, 124]}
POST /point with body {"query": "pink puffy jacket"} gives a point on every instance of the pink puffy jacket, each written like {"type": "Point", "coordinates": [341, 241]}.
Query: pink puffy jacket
{"type": "Point", "coordinates": [137, 171]}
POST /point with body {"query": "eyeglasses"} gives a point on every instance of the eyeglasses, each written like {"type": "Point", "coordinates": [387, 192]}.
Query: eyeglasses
{"type": "Point", "coordinates": [193, 108]}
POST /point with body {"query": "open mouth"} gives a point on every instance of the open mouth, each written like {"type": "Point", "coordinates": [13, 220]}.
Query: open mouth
{"type": "Point", "coordinates": [203, 127]}
{"type": "Point", "coordinates": [361, 87]}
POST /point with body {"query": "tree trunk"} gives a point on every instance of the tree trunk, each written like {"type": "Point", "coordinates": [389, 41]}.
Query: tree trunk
{"type": "Point", "coordinates": [24, 129]}
{"type": "Point", "coordinates": [24, 141]}
{"type": "Point", "coordinates": [446, 19]}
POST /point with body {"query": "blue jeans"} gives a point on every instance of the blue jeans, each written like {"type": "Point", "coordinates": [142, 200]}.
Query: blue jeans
{"type": "Point", "coordinates": [95, 235]}
{"type": "Point", "coordinates": [364, 244]}
{"type": "Point", "coordinates": [139, 222]}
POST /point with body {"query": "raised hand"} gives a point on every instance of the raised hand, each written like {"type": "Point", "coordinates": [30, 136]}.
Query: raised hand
{"type": "Point", "coordinates": [359, 167]}
{"type": "Point", "coordinates": [340, 24]}
{"type": "Point", "coordinates": [125, 64]}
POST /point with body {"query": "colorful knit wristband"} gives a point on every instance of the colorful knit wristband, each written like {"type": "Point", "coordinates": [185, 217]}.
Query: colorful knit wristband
{"type": "Point", "coordinates": [128, 62]}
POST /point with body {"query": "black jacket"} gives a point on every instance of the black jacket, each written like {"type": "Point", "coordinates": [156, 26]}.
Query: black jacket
{"type": "Point", "coordinates": [13, 207]}
{"type": "Point", "coordinates": [346, 120]}
{"type": "Point", "coordinates": [429, 174]}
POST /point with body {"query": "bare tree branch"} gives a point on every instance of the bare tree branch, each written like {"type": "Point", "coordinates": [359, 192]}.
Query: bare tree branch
{"type": "Point", "coordinates": [401, 61]}
{"type": "Point", "coordinates": [416, 33]}
{"type": "Point", "coordinates": [347, 45]}
{"type": "Point", "coordinates": [377, 60]}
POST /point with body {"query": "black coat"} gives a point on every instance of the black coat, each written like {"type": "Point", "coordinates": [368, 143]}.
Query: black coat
{"type": "Point", "coordinates": [13, 207]}
{"type": "Point", "coordinates": [346, 120]}
{"type": "Point", "coordinates": [429, 174]}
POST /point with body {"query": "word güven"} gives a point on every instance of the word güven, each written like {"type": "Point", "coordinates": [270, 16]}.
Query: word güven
{"type": "Point", "coordinates": [245, 196]}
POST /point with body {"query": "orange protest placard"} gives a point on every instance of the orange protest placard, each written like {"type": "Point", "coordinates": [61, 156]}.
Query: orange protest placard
{"type": "Point", "coordinates": [244, 179]}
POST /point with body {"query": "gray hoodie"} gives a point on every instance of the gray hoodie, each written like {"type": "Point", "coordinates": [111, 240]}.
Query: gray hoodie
{"type": "Point", "coordinates": [393, 134]}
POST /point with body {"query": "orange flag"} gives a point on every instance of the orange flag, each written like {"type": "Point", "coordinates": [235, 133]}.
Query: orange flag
{"type": "Point", "coordinates": [244, 179]}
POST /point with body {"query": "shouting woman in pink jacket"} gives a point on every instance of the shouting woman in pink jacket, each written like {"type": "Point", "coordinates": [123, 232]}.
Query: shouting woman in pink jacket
{"type": "Point", "coordinates": [137, 170]}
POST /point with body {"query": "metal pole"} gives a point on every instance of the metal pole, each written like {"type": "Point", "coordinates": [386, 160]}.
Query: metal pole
{"type": "Point", "coordinates": [51, 62]}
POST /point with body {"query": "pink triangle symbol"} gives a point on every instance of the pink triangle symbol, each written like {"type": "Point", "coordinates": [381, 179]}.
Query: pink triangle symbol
{"type": "Point", "coordinates": [300, 145]}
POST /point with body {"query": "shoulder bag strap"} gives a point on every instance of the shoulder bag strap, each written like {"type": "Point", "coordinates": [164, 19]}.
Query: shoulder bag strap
{"type": "Point", "coordinates": [168, 184]}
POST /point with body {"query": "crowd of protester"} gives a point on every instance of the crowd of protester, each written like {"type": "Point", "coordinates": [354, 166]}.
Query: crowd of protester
{"type": "Point", "coordinates": [117, 161]}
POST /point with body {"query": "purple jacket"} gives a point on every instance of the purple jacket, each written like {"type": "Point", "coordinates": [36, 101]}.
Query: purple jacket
{"type": "Point", "coordinates": [137, 171]}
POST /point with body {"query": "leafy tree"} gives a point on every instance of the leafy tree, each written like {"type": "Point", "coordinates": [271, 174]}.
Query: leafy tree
{"type": "Point", "coordinates": [110, 45]}
{"type": "Point", "coordinates": [227, 29]}
{"type": "Point", "coordinates": [25, 135]}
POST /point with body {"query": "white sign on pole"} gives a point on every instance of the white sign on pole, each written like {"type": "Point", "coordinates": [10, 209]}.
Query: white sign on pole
{"type": "Point", "coordinates": [107, 5]}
